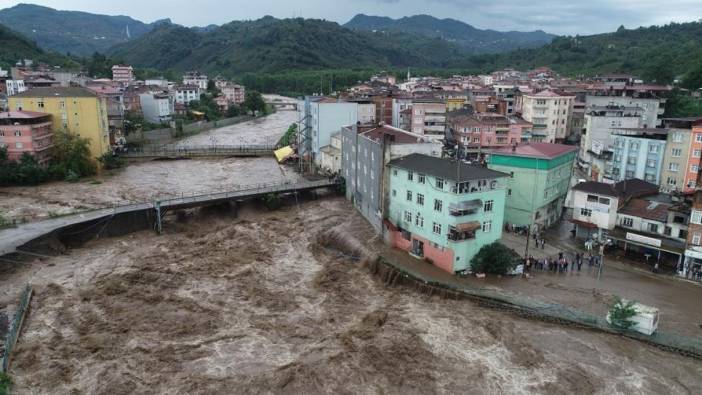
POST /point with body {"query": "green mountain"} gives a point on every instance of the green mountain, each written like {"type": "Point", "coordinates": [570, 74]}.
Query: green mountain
{"type": "Point", "coordinates": [79, 33]}
{"type": "Point", "coordinates": [14, 46]}
{"type": "Point", "coordinates": [658, 53]}
{"type": "Point", "coordinates": [275, 45]}
{"type": "Point", "coordinates": [471, 39]}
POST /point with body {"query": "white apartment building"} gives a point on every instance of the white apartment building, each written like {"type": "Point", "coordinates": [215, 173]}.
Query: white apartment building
{"type": "Point", "coordinates": [195, 78]}
{"type": "Point", "coordinates": [650, 108]}
{"type": "Point", "coordinates": [550, 112]}
{"type": "Point", "coordinates": [429, 117]}
{"type": "Point", "coordinates": [156, 107]}
{"type": "Point", "coordinates": [184, 94]}
{"type": "Point", "coordinates": [14, 87]}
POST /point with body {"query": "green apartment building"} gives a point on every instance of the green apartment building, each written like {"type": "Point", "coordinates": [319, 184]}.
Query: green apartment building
{"type": "Point", "coordinates": [539, 178]}
{"type": "Point", "coordinates": [443, 210]}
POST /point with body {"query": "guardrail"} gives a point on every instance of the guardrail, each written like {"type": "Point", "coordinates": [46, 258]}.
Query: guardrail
{"type": "Point", "coordinates": [15, 328]}
{"type": "Point", "coordinates": [207, 150]}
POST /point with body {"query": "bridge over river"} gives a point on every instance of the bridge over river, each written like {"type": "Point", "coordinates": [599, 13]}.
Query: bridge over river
{"type": "Point", "coordinates": [11, 239]}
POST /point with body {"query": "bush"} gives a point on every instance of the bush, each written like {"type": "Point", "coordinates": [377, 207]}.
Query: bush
{"type": "Point", "coordinates": [5, 383]}
{"type": "Point", "coordinates": [272, 201]}
{"type": "Point", "coordinates": [26, 171]}
{"type": "Point", "coordinates": [111, 161]}
{"type": "Point", "coordinates": [494, 258]}
{"type": "Point", "coordinates": [620, 313]}
{"type": "Point", "coordinates": [289, 136]}
{"type": "Point", "coordinates": [71, 158]}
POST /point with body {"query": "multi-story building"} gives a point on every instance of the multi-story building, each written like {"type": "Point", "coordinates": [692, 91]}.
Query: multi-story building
{"type": "Point", "coordinates": [478, 134]}
{"type": "Point", "coordinates": [650, 104]}
{"type": "Point", "coordinates": [400, 104]}
{"type": "Point", "coordinates": [596, 146]}
{"type": "Point", "coordinates": [638, 153]}
{"type": "Point", "coordinates": [76, 110]}
{"type": "Point", "coordinates": [321, 118]}
{"type": "Point", "coordinates": [195, 78]}
{"type": "Point", "coordinates": [114, 96]}
{"type": "Point", "coordinates": [684, 152]}
{"type": "Point", "coordinates": [159, 82]}
{"type": "Point", "coordinates": [156, 107]}
{"type": "Point", "coordinates": [443, 210]}
{"type": "Point", "coordinates": [364, 154]}
{"type": "Point", "coordinates": [692, 268]}
{"type": "Point", "coordinates": [123, 74]}
{"type": "Point", "coordinates": [234, 93]}
{"type": "Point", "coordinates": [538, 183]}
{"type": "Point", "coordinates": [550, 114]}
{"type": "Point", "coordinates": [429, 117]}
{"type": "Point", "coordinates": [184, 94]}
{"type": "Point", "coordinates": [13, 87]}
{"type": "Point", "coordinates": [26, 132]}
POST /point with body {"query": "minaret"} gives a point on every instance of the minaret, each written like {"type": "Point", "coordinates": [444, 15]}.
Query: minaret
{"type": "Point", "coordinates": [408, 74]}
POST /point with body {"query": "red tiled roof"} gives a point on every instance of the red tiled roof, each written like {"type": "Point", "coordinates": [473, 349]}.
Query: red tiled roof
{"type": "Point", "coordinates": [22, 115]}
{"type": "Point", "coordinates": [537, 150]}
{"type": "Point", "coordinates": [645, 209]}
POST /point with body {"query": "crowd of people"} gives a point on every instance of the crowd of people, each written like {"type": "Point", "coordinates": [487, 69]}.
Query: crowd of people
{"type": "Point", "coordinates": [562, 264]}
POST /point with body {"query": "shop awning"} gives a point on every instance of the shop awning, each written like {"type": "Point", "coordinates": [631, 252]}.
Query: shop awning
{"type": "Point", "coordinates": [583, 224]}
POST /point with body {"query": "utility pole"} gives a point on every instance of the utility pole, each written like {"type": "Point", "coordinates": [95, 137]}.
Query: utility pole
{"type": "Point", "coordinates": [531, 223]}
{"type": "Point", "coordinates": [599, 267]}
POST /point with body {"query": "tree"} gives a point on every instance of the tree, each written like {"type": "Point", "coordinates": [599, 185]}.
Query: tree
{"type": "Point", "coordinates": [26, 171]}
{"type": "Point", "coordinates": [693, 78]}
{"type": "Point", "coordinates": [254, 102]}
{"type": "Point", "coordinates": [620, 314]}
{"type": "Point", "coordinates": [234, 111]}
{"type": "Point", "coordinates": [71, 157]}
{"type": "Point", "coordinates": [289, 136]}
{"type": "Point", "coordinates": [494, 258]}
{"type": "Point", "coordinates": [111, 161]}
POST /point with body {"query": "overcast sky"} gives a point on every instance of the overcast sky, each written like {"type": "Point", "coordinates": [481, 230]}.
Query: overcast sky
{"type": "Point", "coordinates": [554, 16]}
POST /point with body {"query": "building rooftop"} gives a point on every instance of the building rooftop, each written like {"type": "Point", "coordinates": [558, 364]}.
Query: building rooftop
{"type": "Point", "coordinates": [397, 136]}
{"type": "Point", "coordinates": [447, 169]}
{"type": "Point", "coordinates": [537, 150]}
{"type": "Point", "coordinates": [548, 93]}
{"type": "Point", "coordinates": [628, 188]}
{"type": "Point", "coordinates": [23, 115]}
{"type": "Point", "coordinates": [646, 209]}
{"type": "Point", "coordinates": [57, 91]}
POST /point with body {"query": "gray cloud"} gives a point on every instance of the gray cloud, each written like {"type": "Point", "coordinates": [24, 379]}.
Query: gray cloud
{"type": "Point", "coordinates": [555, 16]}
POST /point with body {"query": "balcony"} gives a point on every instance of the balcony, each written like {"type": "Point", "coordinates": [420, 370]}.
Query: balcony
{"type": "Point", "coordinates": [463, 232]}
{"type": "Point", "coordinates": [468, 207]}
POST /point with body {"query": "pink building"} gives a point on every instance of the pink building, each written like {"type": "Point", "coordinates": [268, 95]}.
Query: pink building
{"type": "Point", "coordinates": [234, 93]}
{"type": "Point", "coordinates": [123, 74]}
{"type": "Point", "coordinates": [480, 133]}
{"type": "Point", "coordinates": [26, 131]}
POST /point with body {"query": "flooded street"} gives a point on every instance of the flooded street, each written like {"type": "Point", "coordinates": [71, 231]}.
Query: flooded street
{"type": "Point", "coordinates": [142, 181]}
{"type": "Point", "coordinates": [255, 303]}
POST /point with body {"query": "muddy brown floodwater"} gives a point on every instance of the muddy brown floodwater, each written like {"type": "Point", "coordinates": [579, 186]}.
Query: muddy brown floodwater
{"type": "Point", "coordinates": [139, 182]}
{"type": "Point", "coordinates": [255, 303]}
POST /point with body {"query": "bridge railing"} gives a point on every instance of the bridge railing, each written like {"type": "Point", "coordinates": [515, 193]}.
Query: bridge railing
{"type": "Point", "coordinates": [197, 149]}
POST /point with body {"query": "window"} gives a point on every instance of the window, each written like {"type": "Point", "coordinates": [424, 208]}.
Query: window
{"type": "Point", "coordinates": [409, 196]}
{"type": "Point", "coordinates": [2, 133]}
{"type": "Point", "coordinates": [698, 137]}
{"type": "Point", "coordinates": [653, 149]}
{"type": "Point", "coordinates": [408, 216]}
{"type": "Point", "coordinates": [18, 133]}
{"type": "Point", "coordinates": [394, 172]}
{"type": "Point", "coordinates": [19, 145]}
{"type": "Point", "coordinates": [676, 152]}
{"type": "Point", "coordinates": [604, 201]}
{"type": "Point", "coordinates": [488, 206]}
{"type": "Point", "coordinates": [440, 183]}
{"type": "Point", "coordinates": [511, 174]}
{"type": "Point", "coordinates": [421, 178]}
{"type": "Point", "coordinates": [436, 228]}
{"type": "Point", "coordinates": [677, 137]}
{"type": "Point", "coordinates": [653, 228]}
{"type": "Point", "coordinates": [672, 181]}
{"type": "Point", "coordinates": [697, 153]}
{"type": "Point", "coordinates": [694, 168]}
{"type": "Point", "coordinates": [586, 212]}
{"type": "Point", "coordinates": [40, 104]}
{"type": "Point", "coordinates": [509, 192]}
{"type": "Point", "coordinates": [438, 205]}
{"type": "Point", "coordinates": [394, 193]}
{"type": "Point", "coordinates": [420, 199]}
{"type": "Point", "coordinates": [627, 222]}
{"type": "Point", "coordinates": [697, 239]}
{"type": "Point", "coordinates": [410, 176]}
{"type": "Point", "coordinates": [487, 226]}
{"type": "Point", "coordinates": [62, 104]}
{"type": "Point", "coordinates": [592, 198]}
{"type": "Point", "coordinates": [696, 217]}
{"type": "Point", "coordinates": [674, 167]}
{"type": "Point", "coordinates": [419, 220]}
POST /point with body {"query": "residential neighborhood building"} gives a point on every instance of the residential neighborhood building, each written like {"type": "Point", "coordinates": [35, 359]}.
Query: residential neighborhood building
{"type": "Point", "coordinates": [184, 94]}
{"type": "Point", "coordinates": [429, 117]}
{"type": "Point", "coordinates": [157, 108]}
{"type": "Point", "coordinates": [330, 155]}
{"type": "Point", "coordinates": [684, 147]}
{"type": "Point", "coordinates": [321, 118]}
{"type": "Point", "coordinates": [550, 114]}
{"type": "Point", "coordinates": [27, 132]}
{"type": "Point", "coordinates": [123, 74]}
{"type": "Point", "coordinates": [693, 253]}
{"type": "Point", "coordinates": [538, 182]}
{"type": "Point", "coordinates": [365, 152]}
{"type": "Point", "coordinates": [399, 105]}
{"type": "Point", "coordinates": [13, 87]}
{"type": "Point", "coordinates": [443, 210]}
{"type": "Point", "coordinates": [235, 94]}
{"type": "Point", "coordinates": [638, 153]}
{"type": "Point", "coordinates": [196, 79]}
{"type": "Point", "coordinates": [76, 110]}
{"type": "Point", "coordinates": [478, 134]}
